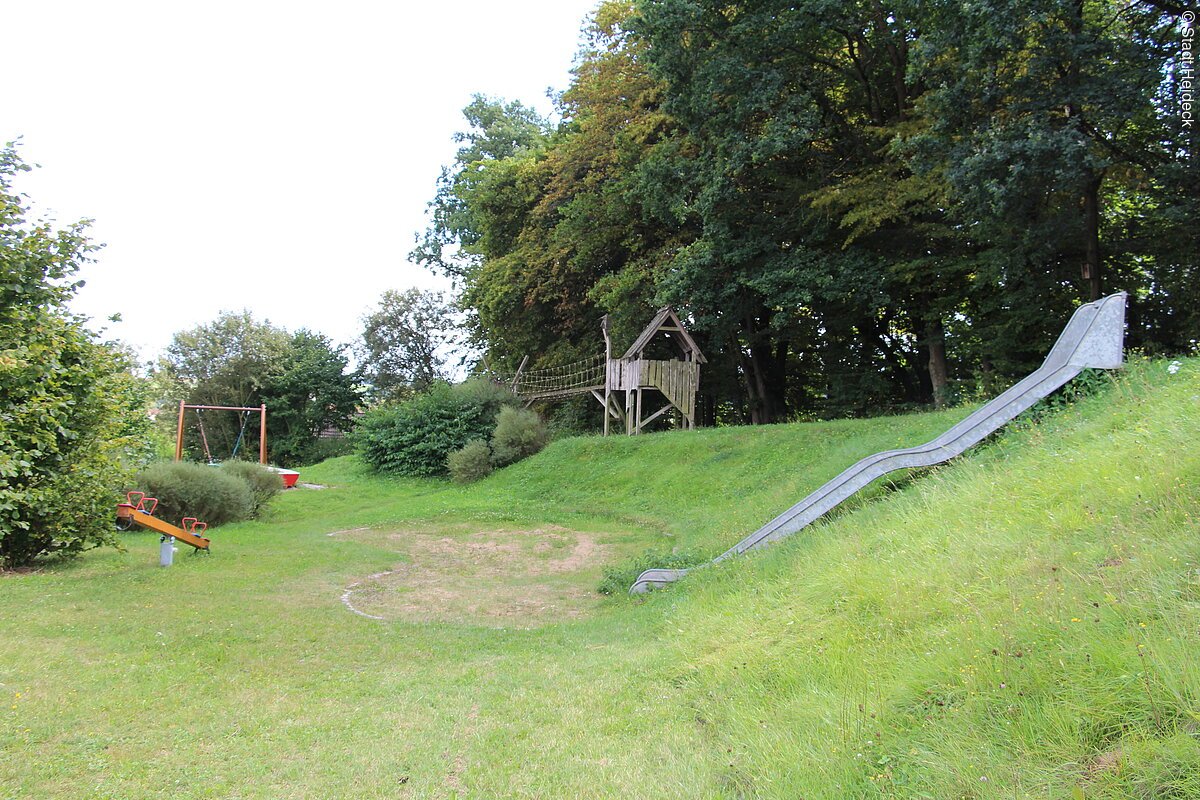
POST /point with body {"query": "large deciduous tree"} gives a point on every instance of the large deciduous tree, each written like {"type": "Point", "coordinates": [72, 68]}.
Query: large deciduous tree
{"type": "Point", "coordinates": [405, 343]}
{"type": "Point", "coordinates": [819, 246]}
{"type": "Point", "coordinates": [227, 361]}
{"type": "Point", "coordinates": [857, 205]}
{"type": "Point", "coordinates": [548, 230]}
{"type": "Point", "coordinates": [314, 392]}
{"type": "Point", "coordinates": [1055, 123]}
{"type": "Point", "coordinates": [72, 417]}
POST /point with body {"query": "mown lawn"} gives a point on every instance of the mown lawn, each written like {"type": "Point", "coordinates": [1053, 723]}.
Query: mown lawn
{"type": "Point", "coordinates": [1021, 623]}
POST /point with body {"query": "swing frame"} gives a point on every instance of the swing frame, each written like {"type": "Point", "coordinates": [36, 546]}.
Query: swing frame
{"type": "Point", "coordinates": [262, 427]}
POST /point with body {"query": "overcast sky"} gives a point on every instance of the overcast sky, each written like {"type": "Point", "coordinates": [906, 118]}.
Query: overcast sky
{"type": "Point", "coordinates": [276, 156]}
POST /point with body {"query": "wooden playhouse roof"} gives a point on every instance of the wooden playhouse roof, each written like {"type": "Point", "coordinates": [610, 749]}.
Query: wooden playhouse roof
{"type": "Point", "coordinates": [666, 321]}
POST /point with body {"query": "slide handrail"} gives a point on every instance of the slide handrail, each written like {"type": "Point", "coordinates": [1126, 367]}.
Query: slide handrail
{"type": "Point", "coordinates": [1093, 337]}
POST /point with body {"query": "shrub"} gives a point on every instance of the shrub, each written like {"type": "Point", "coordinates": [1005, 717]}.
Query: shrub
{"type": "Point", "coordinates": [472, 463]}
{"type": "Point", "coordinates": [325, 449]}
{"type": "Point", "coordinates": [416, 436]}
{"type": "Point", "coordinates": [262, 482]}
{"type": "Point", "coordinates": [193, 490]}
{"type": "Point", "coordinates": [489, 396]}
{"type": "Point", "coordinates": [519, 434]}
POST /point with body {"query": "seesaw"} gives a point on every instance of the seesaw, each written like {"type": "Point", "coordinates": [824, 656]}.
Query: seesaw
{"type": "Point", "coordinates": [139, 510]}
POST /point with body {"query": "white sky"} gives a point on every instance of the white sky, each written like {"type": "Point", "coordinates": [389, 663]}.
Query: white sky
{"type": "Point", "coordinates": [276, 156]}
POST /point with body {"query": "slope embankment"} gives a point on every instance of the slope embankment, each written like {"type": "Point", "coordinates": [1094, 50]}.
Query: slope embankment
{"type": "Point", "coordinates": [1021, 623]}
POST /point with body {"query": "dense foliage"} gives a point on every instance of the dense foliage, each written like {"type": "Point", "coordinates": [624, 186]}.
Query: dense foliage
{"type": "Point", "coordinates": [303, 378]}
{"type": "Point", "coordinates": [857, 206]}
{"type": "Point", "coordinates": [519, 434]}
{"type": "Point", "coordinates": [72, 417]}
{"type": "Point", "coordinates": [313, 391]}
{"type": "Point", "coordinates": [415, 436]}
{"type": "Point", "coordinates": [404, 343]}
{"type": "Point", "coordinates": [263, 483]}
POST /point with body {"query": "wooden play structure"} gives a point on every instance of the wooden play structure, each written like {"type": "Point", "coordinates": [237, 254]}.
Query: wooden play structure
{"type": "Point", "coordinates": [139, 510]}
{"type": "Point", "coordinates": [246, 414]}
{"type": "Point", "coordinates": [677, 380]}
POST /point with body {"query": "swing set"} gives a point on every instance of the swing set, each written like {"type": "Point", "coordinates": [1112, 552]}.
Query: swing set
{"type": "Point", "coordinates": [246, 413]}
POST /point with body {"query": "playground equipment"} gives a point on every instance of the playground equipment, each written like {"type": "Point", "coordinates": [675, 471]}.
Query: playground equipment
{"type": "Point", "coordinates": [246, 414]}
{"type": "Point", "coordinates": [602, 376]}
{"type": "Point", "coordinates": [139, 510]}
{"type": "Point", "coordinates": [1094, 337]}
{"type": "Point", "coordinates": [288, 476]}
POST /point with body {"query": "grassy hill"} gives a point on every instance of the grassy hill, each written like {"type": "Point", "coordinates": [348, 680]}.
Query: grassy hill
{"type": "Point", "coordinates": [1022, 622]}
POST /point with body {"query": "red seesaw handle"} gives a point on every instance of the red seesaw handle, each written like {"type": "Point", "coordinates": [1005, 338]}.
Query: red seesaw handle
{"type": "Point", "coordinates": [139, 500]}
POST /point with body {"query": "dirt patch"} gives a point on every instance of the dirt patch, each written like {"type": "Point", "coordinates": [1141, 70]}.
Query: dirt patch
{"type": "Point", "coordinates": [1105, 762]}
{"type": "Point", "coordinates": [15, 571]}
{"type": "Point", "coordinates": [500, 578]}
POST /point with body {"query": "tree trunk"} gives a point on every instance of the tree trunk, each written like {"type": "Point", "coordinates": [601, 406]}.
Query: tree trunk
{"type": "Point", "coordinates": [1091, 236]}
{"type": "Point", "coordinates": [764, 369]}
{"type": "Point", "coordinates": [751, 382]}
{"type": "Point", "coordinates": [935, 338]}
{"type": "Point", "coordinates": [895, 364]}
{"type": "Point", "coordinates": [756, 390]}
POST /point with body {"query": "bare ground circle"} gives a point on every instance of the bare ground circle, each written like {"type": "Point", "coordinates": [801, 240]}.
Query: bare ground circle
{"type": "Point", "coordinates": [498, 578]}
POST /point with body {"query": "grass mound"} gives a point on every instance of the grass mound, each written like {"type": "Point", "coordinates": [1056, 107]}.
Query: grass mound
{"type": "Point", "coordinates": [1021, 623]}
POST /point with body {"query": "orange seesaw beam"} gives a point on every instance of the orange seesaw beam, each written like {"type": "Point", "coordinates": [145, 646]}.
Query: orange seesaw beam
{"type": "Point", "coordinates": [144, 520]}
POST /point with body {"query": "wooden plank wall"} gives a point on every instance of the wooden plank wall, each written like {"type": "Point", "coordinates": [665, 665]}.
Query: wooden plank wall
{"type": "Point", "coordinates": [677, 380]}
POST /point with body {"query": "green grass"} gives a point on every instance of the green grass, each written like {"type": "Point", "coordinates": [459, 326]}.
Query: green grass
{"type": "Point", "coordinates": [1024, 622]}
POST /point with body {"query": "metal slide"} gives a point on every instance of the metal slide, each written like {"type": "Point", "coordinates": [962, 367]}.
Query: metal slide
{"type": "Point", "coordinates": [1094, 337]}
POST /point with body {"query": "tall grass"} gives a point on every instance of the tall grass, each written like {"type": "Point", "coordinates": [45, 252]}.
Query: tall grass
{"type": "Point", "coordinates": [1022, 623]}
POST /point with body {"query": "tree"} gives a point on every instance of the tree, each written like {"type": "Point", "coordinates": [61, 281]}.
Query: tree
{"type": "Point", "coordinates": [1051, 120]}
{"type": "Point", "coordinates": [457, 237]}
{"type": "Point", "coordinates": [228, 361]}
{"type": "Point", "coordinates": [404, 343]}
{"type": "Point", "coordinates": [314, 391]}
{"type": "Point", "coordinates": [237, 361]}
{"type": "Point", "coordinates": [856, 205]}
{"type": "Point", "coordinates": [547, 230]}
{"type": "Point", "coordinates": [72, 416]}
{"type": "Point", "coordinates": [821, 257]}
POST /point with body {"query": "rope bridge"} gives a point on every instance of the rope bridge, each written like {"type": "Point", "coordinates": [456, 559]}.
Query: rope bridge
{"type": "Point", "coordinates": [578, 377]}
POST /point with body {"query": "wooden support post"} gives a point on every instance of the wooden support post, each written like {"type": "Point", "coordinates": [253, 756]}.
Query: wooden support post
{"type": "Point", "coordinates": [262, 435]}
{"type": "Point", "coordinates": [628, 411]}
{"type": "Point", "coordinates": [637, 427]}
{"type": "Point", "coordinates": [179, 435]}
{"type": "Point", "coordinates": [607, 376]}
{"type": "Point", "coordinates": [517, 377]}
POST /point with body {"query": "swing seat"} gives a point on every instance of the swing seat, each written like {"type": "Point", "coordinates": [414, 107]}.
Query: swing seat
{"type": "Point", "coordinates": [288, 476]}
